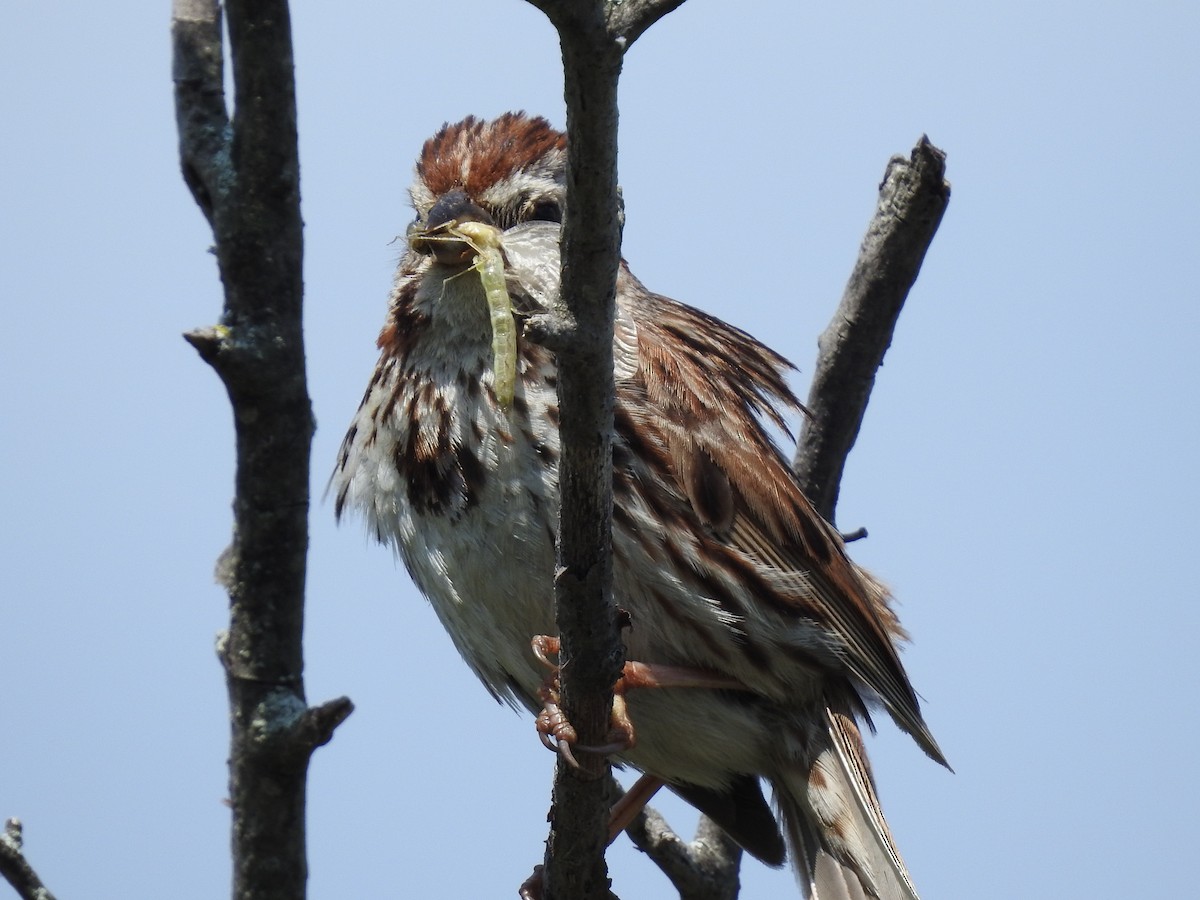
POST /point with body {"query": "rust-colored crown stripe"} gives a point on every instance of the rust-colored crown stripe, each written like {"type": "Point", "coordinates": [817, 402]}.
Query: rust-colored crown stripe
{"type": "Point", "coordinates": [452, 158]}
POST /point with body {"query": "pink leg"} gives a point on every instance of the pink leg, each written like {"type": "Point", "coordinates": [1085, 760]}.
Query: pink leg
{"type": "Point", "coordinates": [553, 723]}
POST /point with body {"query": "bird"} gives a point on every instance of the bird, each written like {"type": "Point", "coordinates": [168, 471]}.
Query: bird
{"type": "Point", "coordinates": [721, 564]}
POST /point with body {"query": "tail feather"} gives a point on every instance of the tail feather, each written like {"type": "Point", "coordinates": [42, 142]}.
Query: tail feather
{"type": "Point", "coordinates": [840, 844]}
{"type": "Point", "coordinates": [836, 882]}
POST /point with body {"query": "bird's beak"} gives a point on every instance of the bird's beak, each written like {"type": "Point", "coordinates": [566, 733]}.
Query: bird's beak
{"type": "Point", "coordinates": [437, 236]}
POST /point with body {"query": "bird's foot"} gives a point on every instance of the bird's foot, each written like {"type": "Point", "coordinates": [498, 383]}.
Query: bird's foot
{"type": "Point", "coordinates": [555, 729]}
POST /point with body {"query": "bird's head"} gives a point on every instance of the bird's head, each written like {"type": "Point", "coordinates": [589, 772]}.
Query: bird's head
{"type": "Point", "coordinates": [502, 173]}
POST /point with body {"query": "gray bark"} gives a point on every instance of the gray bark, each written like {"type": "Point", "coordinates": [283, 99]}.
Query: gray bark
{"type": "Point", "coordinates": [594, 35]}
{"type": "Point", "coordinates": [244, 174]}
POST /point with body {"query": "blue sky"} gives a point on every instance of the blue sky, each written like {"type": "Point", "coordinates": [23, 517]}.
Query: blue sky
{"type": "Point", "coordinates": [1027, 468]}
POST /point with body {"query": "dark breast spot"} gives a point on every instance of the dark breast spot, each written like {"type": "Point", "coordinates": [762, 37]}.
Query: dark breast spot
{"type": "Point", "coordinates": [441, 469]}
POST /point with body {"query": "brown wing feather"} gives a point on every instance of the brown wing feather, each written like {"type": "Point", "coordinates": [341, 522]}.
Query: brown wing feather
{"type": "Point", "coordinates": [711, 386]}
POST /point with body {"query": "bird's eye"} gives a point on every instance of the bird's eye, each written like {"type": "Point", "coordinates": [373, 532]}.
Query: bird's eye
{"type": "Point", "coordinates": [545, 211]}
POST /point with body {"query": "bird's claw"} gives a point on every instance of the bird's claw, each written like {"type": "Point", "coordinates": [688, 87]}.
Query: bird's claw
{"type": "Point", "coordinates": [555, 729]}
{"type": "Point", "coordinates": [552, 722]}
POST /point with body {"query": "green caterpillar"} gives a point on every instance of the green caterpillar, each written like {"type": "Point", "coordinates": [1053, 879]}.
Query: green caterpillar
{"type": "Point", "coordinates": [489, 263]}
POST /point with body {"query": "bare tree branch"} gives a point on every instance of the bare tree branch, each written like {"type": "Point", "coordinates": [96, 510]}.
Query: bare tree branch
{"type": "Point", "coordinates": [200, 115]}
{"type": "Point", "coordinates": [912, 199]}
{"type": "Point", "coordinates": [629, 19]}
{"type": "Point", "coordinates": [15, 869]}
{"type": "Point", "coordinates": [705, 869]}
{"type": "Point", "coordinates": [592, 656]}
{"type": "Point", "coordinates": [245, 176]}
{"type": "Point", "coordinates": [593, 36]}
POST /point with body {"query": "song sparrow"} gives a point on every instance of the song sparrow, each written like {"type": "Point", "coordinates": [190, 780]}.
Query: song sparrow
{"type": "Point", "coordinates": [720, 560]}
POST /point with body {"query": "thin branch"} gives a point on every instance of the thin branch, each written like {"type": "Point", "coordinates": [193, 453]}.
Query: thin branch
{"type": "Point", "coordinates": [591, 652]}
{"type": "Point", "coordinates": [200, 115]}
{"type": "Point", "coordinates": [849, 537]}
{"type": "Point", "coordinates": [15, 869]}
{"type": "Point", "coordinates": [320, 722]}
{"type": "Point", "coordinates": [705, 869]}
{"type": "Point", "coordinates": [245, 176]}
{"type": "Point", "coordinates": [912, 199]}
{"type": "Point", "coordinates": [630, 18]}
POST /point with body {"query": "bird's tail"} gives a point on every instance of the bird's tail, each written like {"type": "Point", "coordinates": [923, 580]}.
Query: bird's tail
{"type": "Point", "coordinates": [839, 842]}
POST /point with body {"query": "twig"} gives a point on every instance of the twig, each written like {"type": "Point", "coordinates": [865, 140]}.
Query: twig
{"type": "Point", "coordinates": [849, 537]}
{"type": "Point", "coordinates": [629, 19]}
{"type": "Point", "coordinates": [705, 869]}
{"type": "Point", "coordinates": [244, 174]}
{"type": "Point", "coordinates": [16, 869]}
{"type": "Point", "coordinates": [912, 199]}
